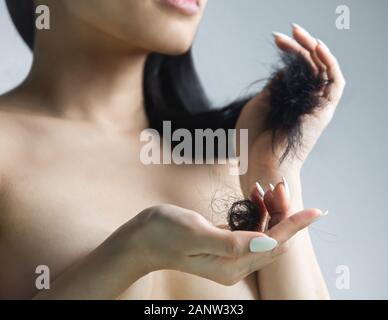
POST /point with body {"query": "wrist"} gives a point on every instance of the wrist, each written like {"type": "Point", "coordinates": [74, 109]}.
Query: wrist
{"type": "Point", "coordinates": [128, 247]}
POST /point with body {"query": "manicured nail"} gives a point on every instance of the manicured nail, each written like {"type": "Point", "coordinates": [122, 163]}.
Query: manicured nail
{"type": "Point", "coordinates": [297, 26]}
{"type": "Point", "coordinates": [260, 189]}
{"type": "Point", "coordinates": [281, 35]}
{"type": "Point", "coordinates": [262, 244]}
{"type": "Point", "coordinates": [323, 214]}
{"type": "Point", "coordinates": [323, 45]}
{"type": "Point", "coordinates": [272, 187]}
{"type": "Point", "coordinates": [286, 188]}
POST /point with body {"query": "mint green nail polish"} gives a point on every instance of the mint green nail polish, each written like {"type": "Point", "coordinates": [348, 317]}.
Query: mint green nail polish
{"type": "Point", "coordinates": [262, 244]}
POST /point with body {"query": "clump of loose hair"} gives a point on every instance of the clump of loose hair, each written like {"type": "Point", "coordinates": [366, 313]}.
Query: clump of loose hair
{"type": "Point", "coordinates": [244, 215]}
{"type": "Point", "coordinates": [294, 91]}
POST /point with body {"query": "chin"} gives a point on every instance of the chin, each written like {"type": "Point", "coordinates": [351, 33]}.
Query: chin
{"type": "Point", "coordinates": [173, 44]}
{"type": "Point", "coordinates": [174, 49]}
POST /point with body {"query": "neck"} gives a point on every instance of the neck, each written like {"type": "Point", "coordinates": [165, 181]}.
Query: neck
{"type": "Point", "coordinates": [81, 73]}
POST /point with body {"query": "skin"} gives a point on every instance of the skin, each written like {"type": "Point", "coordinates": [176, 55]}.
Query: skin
{"type": "Point", "coordinates": [75, 196]}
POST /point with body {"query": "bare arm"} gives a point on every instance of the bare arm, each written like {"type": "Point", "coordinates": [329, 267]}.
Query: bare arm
{"type": "Point", "coordinates": [105, 273]}
{"type": "Point", "coordinates": [166, 237]}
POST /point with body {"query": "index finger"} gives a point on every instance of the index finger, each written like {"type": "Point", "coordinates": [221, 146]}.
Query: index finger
{"type": "Point", "coordinates": [226, 243]}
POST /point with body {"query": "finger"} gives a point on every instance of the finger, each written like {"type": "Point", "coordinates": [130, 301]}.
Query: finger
{"type": "Point", "coordinates": [210, 267]}
{"type": "Point", "coordinates": [257, 196]}
{"type": "Point", "coordinates": [226, 271]}
{"type": "Point", "coordinates": [223, 226]}
{"type": "Point", "coordinates": [254, 262]}
{"type": "Point", "coordinates": [278, 204]}
{"type": "Point", "coordinates": [225, 243]}
{"type": "Point", "coordinates": [307, 41]}
{"type": "Point", "coordinates": [288, 44]}
{"type": "Point", "coordinates": [336, 85]}
{"type": "Point", "coordinates": [270, 202]}
{"type": "Point", "coordinates": [287, 228]}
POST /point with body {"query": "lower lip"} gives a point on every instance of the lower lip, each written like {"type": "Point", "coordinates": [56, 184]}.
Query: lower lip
{"type": "Point", "coordinates": [188, 7]}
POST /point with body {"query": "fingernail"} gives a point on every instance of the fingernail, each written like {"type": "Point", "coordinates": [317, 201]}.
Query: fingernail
{"type": "Point", "coordinates": [323, 44]}
{"type": "Point", "coordinates": [262, 244]}
{"type": "Point", "coordinates": [286, 188]}
{"type": "Point", "coordinates": [260, 189]}
{"type": "Point", "coordinates": [281, 35]}
{"type": "Point", "coordinates": [272, 187]}
{"type": "Point", "coordinates": [323, 214]}
{"type": "Point", "coordinates": [297, 26]}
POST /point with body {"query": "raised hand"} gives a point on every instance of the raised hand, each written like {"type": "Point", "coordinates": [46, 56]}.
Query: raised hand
{"type": "Point", "coordinates": [265, 152]}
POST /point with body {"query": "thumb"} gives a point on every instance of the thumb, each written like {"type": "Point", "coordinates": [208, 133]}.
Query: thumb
{"type": "Point", "coordinates": [287, 228]}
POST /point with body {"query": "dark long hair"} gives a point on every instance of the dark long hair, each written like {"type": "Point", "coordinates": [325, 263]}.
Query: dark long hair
{"type": "Point", "coordinates": [172, 89]}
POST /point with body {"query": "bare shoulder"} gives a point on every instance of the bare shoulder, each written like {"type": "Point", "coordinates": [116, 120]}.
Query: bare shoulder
{"type": "Point", "coordinates": [18, 122]}
{"type": "Point", "coordinates": [15, 138]}
{"type": "Point", "coordinates": [13, 128]}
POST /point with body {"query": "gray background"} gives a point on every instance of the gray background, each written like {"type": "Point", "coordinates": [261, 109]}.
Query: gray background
{"type": "Point", "coordinates": [347, 172]}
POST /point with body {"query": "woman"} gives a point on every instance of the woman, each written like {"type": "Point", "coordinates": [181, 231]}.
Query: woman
{"type": "Point", "coordinates": [76, 198]}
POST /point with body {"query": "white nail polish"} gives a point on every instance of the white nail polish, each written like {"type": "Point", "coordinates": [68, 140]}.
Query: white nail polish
{"type": "Point", "coordinates": [323, 44]}
{"type": "Point", "coordinates": [272, 187]}
{"type": "Point", "coordinates": [262, 244]}
{"type": "Point", "coordinates": [286, 188]}
{"type": "Point", "coordinates": [260, 189]}
{"type": "Point", "coordinates": [324, 214]}
{"type": "Point", "coordinates": [281, 35]}
{"type": "Point", "coordinates": [297, 26]}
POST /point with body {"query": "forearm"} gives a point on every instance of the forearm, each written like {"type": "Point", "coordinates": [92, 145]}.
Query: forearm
{"type": "Point", "coordinates": [104, 274]}
{"type": "Point", "coordinates": [296, 274]}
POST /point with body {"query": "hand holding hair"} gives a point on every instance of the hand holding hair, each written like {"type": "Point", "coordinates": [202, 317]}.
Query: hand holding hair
{"type": "Point", "coordinates": [264, 210]}
{"type": "Point", "coordinates": [179, 239]}
{"type": "Point", "coordinates": [310, 83]}
{"type": "Point", "coordinates": [286, 119]}
{"type": "Point", "coordinates": [167, 237]}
